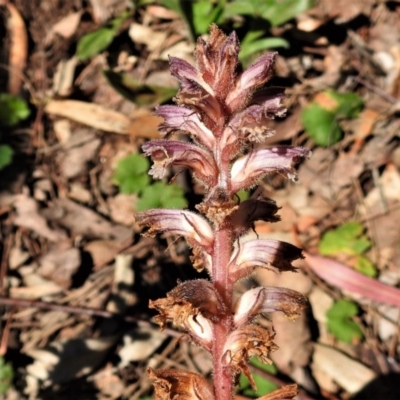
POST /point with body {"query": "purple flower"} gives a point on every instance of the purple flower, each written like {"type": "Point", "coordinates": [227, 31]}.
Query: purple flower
{"type": "Point", "coordinates": [248, 170]}
{"type": "Point", "coordinates": [194, 228]}
{"type": "Point", "coordinates": [182, 119]}
{"type": "Point", "coordinates": [268, 299]}
{"type": "Point", "coordinates": [172, 152]}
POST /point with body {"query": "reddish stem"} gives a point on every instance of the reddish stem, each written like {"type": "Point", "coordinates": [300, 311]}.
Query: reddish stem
{"type": "Point", "coordinates": [223, 383]}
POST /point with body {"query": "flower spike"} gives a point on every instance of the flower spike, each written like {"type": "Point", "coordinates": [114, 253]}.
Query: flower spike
{"type": "Point", "coordinates": [225, 111]}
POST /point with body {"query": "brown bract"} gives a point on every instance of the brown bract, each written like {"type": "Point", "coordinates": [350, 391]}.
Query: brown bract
{"type": "Point", "coordinates": [193, 306]}
{"type": "Point", "coordinates": [246, 342]}
{"type": "Point", "coordinates": [175, 384]}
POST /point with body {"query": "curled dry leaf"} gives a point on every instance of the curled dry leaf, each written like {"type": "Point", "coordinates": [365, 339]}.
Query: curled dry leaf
{"type": "Point", "coordinates": [348, 373]}
{"type": "Point", "coordinates": [18, 49]}
{"type": "Point", "coordinates": [102, 118]}
{"type": "Point", "coordinates": [28, 216]}
{"type": "Point", "coordinates": [246, 342]}
{"type": "Point", "coordinates": [283, 393]}
{"type": "Point", "coordinates": [171, 384]}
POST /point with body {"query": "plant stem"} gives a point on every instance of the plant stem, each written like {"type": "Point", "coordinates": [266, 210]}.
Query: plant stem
{"type": "Point", "coordinates": [223, 384]}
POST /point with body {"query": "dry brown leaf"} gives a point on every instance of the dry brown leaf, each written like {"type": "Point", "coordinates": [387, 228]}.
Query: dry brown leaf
{"type": "Point", "coordinates": [60, 263]}
{"type": "Point", "coordinates": [145, 125]}
{"type": "Point", "coordinates": [109, 383]}
{"type": "Point", "coordinates": [27, 216]}
{"type": "Point", "coordinates": [65, 27]}
{"type": "Point", "coordinates": [63, 79]}
{"type": "Point", "coordinates": [161, 12]}
{"type": "Point", "coordinates": [146, 35]}
{"type": "Point", "coordinates": [18, 48]}
{"type": "Point", "coordinates": [35, 287]}
{"type": "Point", "coordinates": [342, 10]}
{"type": "Point", "coordinates": [102, 251]}
{"type": "Point", "coordinates": [122, 208]}
{"type": "Point", "coordinates": [83, 221]}
{"type": "Point", "coordinates": [348, 373]}
{"type": "Point", "coordinates": [122, 293]}
{"type": "Point", "coordinates": [80, 149]}
{"type": "Point", "coordinates": [90, 114]}
{"type": "Point", "coordinates": [139, 344]}
{"type": "Point", "coordinates": [65, 360]}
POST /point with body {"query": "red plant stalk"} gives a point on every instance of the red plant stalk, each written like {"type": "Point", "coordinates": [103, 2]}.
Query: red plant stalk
{"type": "Point", "coordinates": [226, 113]}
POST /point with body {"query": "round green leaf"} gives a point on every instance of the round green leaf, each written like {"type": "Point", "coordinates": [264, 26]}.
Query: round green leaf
{"type": "Point", "coordinates": [321, 125]}
{"type": "Point", "coordinates": [6, 155]}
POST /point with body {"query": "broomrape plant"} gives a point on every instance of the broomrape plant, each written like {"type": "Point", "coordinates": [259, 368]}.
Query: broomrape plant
{"type": "Point", "coordinates": [226, 114]}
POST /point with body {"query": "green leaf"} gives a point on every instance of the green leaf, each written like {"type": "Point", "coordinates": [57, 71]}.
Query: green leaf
{"type": "Point", "coordinates": [321, 125]}
{"type": "Point", "coordinates": [204, 14]}
{"type": "Point", "coordinates": [365, 266]}
{"type": "Point", "coordinates": [254, 43]}
{"type": "Point", "coordinates": [137, 92]}
{"type": "Point", "coordinates": [348, 105]}
{"type": "Point", "coordinates": [6, 155]}
{"type": "Point", "coordinates": [13, 109]}
{"type": "Point", "coordinates": [6, 376]}
{"type": "Point", "coordinates": [339, 321]}
{"type": "Point", "coordinates": [264, 386]}
{"type": "Point", "coordinates": [161, 195]}
{"type": "Point", "coordinates": [95, 42]}
{"type": "Point", "coordinates": [278, 12]}
{"type": "Point", "coordinates": [243, 195]}
{"type": "Point", "coordinates": [347, 239]}
{"type": "Point", "coordinates": [131, 174]}
{"type": "Point", "coordinates": [238, 7]}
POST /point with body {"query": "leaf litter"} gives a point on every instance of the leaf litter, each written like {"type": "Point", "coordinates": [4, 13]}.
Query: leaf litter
{"type": "Point", "coordinates": [68, 231]}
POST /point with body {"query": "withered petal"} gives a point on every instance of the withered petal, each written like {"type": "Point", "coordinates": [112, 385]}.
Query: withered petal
{"type": "Point", "coordinates": [265, 253]}
{"type": "Point", "coordinates": [245, 342]}
{"type": "Point", "coordinates": [173, 152]}
{"type": "Point", "coordinates": [247, 170]}
{"type": "Point", "coordinates": [194, 228]}
{"type": "Point", "coordinates": [251, 210]}
{"type": "Point", "coordinates": [173, 384]}
{"type": "Point", "coordinates": [202, 295]}
{"type": "Point", "coordinates": [286, 392]}
{"type": "Point", "coordinates": [268, 299]}
{"type": "Point", "coordinates": [192, 305]}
